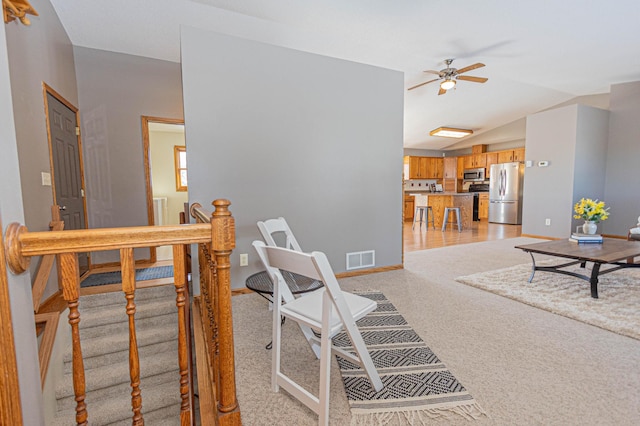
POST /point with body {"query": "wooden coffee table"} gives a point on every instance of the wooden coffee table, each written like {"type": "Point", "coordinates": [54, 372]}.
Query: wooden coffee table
{"type": "Point", "coordinates": [611, 252]}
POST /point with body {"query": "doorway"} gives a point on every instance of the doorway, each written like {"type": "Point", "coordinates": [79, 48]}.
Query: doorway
{"type": "Point", "coordinates": [65, 156]}
{"type": "Point", "coordinates": [165, 174]}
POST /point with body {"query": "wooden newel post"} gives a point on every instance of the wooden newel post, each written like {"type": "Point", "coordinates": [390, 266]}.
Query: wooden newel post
{"type": "Point", "coordinates": [222, 243]}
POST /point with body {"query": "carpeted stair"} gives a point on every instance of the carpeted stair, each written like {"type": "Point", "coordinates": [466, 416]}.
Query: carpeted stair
{"type": "Point", "coordinates": [104, 334]}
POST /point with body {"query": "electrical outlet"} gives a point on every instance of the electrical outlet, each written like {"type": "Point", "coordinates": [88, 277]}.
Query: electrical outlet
{"type": "Point", "coordinates": [547, 222]}
{"type": "Point", "coordinates": [244, 259]}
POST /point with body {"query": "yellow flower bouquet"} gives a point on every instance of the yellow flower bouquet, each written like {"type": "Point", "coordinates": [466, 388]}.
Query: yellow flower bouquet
{"type": "Point", "coordinates": [590, 210]}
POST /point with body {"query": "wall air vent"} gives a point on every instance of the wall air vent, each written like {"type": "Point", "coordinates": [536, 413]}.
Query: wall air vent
{"type": "Point", "coordinates": [361, 259]}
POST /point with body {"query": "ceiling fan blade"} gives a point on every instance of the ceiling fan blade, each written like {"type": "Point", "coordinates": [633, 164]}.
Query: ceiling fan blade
{"type": "Point", "coordinates": [441, 91]}
{"type": "Point", "coordinates": [422, 84]}
{"type": "Point", "coordinates": [470, 67]}
{"type": "Point", "coordinates": [474, 79]}
{"type": "Point", "coordinates": [434, 72]}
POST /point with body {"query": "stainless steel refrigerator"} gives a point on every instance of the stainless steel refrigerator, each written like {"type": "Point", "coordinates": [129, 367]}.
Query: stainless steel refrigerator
{"type": "Point", "coordinates": [505, 193]}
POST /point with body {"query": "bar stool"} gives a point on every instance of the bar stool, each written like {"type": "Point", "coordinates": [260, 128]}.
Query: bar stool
{"type": "Point", "coordinates": [422, 208]}
{"type": "Point", "coordinates": [456, 210]}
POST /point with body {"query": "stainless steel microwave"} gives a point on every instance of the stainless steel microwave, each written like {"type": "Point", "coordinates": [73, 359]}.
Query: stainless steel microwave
{"type": "Point", "coordinates": [474, 175]}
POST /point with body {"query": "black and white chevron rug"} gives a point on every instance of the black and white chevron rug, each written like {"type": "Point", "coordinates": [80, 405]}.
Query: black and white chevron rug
{"type": "Point", "coordinates": [417, 385]}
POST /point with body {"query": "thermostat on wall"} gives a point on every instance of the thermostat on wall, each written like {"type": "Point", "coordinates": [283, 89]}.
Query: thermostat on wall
{"type": "Point", "coordinates": [543, 163]}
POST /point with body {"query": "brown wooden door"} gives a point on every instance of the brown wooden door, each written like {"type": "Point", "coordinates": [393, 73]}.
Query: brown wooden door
{"type": "Point", "coordinates": [67, 173]}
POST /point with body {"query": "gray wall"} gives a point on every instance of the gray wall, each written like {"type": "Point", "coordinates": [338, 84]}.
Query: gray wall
{"type": "Point", "coordinates": [591, 158]}
{"type": "Point", "coordinates": [548, 191]}
{"type": "Point", "coordinates": [623, 178]}
{"type": "Point", "coordinates": [11, 210]}
{"type": "Point", "coordinates": [573, 139]}
{"type": "Point", "coordinates": [286, 133]}
{"type": "Point", "coordinates": [39, 53]}
{"type": "Point", "coordinates": [115, 91]}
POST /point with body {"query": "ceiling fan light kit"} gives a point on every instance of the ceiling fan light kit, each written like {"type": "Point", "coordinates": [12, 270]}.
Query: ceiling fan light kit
{"type": "Point", "coordinates": [447, 84]}
{"type": "Point", "coordinates": [450, 132]}
{"type": "Point", "coordinates": [449, 76]}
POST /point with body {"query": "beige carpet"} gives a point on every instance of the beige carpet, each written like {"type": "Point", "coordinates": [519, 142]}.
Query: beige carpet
{"type": "Point", "coordinates": [523, 365]}
{"type": "Point", "coordinates": [617, 309]}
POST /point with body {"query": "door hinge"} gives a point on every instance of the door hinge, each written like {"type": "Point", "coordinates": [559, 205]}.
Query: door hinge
{"type": "Point", "coordinates": [77, 131]}
{"type": "Point", "coordinates": [82, 192]}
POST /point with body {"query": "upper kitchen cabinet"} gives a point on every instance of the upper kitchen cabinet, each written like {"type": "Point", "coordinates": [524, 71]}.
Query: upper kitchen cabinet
{"type": "Point", "coordinates": [460, 167]}
{"type": "Point", "coordinates": [479, 160]}
{"type": "Point", "coordinates": [424, 167]}
{"type": "Point", "coordinates": [491, 158]}
{"type": "Point", "coordinates": [475, 161]}
{"type": "Point", "coordinates": [511, 155]}
{"type": "Point", "coordinates": [518, 154]}
{"type": "Point", "coordinates": [436, 168]}
{"type": "Point", "coordinates": [418, 167]}
{"type": "Point", "coordinates": [450, 168]}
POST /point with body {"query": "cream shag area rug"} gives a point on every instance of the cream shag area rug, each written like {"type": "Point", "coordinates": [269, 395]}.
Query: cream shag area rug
{"type": "Point", "coordinates": [617, 309]}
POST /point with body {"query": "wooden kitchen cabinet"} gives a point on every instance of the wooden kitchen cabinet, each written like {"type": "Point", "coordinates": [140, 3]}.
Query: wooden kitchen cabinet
{"type": "Point", "coordinates": [450, 168]}
{"type": "Point", "coordinates": [518, 154]}
{"type": "Point", "coordinates": [511, 155]}
{"type": "Point", "coordinates": [475, 161]}
{"type": "Point", "coordinates": [505, 156]}
{"type": "Point", "coordinates": [409, 207]}
{"type": "Point", "coordinates": [468, 161]}
{"type": "Point", "coordinates": [479, 161]}
{"type": "Point", "coordinates": [491, 158]}
{"type": "Point", "coordinates": [483, 205]}
{"type": "Point", "coordinates": [417, 167]}
{"type": "Point", "coordinates": [425, 167]}
{"type": "Point", "coordinates": [461, 167]}
{"type": "Point", "coordinates": [435, 168]}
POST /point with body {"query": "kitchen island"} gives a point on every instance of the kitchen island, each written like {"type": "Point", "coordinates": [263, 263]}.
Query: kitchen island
{"type": "Point", "coordinates": [439, 200]}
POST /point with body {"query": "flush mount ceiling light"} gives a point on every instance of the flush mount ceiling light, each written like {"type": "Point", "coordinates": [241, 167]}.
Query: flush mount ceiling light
{"type": "Point", "coordinates": [448, 84]}
{"type": "Point", "coordinates": [450, 132]}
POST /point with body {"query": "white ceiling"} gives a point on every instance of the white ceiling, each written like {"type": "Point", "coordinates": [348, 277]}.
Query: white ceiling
{"type": "Point", "coordinates": [538, 53]}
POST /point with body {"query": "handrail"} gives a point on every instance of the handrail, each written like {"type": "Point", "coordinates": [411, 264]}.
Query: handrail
{"type": "Point", "coordinates": [49, 324]}
{"type": "Point", "coordinates": [216, 234]}
{"type": "Point", "coordinates": [198, 213]}
{"type": "Point", "coordinates": [44, 269]}
{"type": "Point", "coordinates": [21, 244]}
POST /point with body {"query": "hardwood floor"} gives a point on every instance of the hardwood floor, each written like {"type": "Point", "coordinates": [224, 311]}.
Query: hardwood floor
{"type": "Point", "coordinates": [419, 239]}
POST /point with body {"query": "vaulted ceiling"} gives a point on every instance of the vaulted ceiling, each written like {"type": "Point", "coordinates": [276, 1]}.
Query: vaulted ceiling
{"type": "Point", "coordinates": [538, 53]}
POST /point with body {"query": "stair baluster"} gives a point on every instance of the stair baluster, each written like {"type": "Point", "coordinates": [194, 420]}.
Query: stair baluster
{"type": "Point", "coordinates": [70, 272]}
{"type": "Point", "coordinates": [127, 263]}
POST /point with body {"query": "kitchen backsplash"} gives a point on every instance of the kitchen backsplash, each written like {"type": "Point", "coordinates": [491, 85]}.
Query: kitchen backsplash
{"type": "Point", "coordinates": [418, 184]}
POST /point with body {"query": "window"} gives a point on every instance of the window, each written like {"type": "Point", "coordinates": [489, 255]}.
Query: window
{"type": "Point", "coordinates": [180, 156]}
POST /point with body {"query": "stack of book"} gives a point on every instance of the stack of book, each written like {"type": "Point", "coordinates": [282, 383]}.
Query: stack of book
{"type": "Point", "coordinates": [586, 238]}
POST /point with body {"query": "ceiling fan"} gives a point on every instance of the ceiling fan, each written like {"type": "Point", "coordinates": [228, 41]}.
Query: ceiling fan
{"type": "Point", "coordinates": [449, 76]}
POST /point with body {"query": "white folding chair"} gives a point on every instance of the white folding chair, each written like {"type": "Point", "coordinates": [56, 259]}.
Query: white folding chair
{"type": "Point", "coordinates": [269, 228]}
{"type": "Point", "coordinates": [273, 230]}
{"type": "Point", "coordinates": [327, 311]}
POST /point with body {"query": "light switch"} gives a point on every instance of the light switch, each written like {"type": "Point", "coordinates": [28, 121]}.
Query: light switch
{"type": "Point", "coordinates": [46, 179]}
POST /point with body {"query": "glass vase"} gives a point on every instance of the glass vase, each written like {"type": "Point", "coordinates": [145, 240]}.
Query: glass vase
{"type": "Point", "coordinates": [589, 227]}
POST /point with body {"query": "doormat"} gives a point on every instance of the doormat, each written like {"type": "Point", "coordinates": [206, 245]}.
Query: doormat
{"type": "Point", "coordinates": [418, 387]}
{"type": "Point", "coordinates": [142, 274]}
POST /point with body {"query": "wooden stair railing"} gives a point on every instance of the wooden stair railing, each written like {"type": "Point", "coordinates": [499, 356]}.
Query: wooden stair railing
{"type": "Point", "coordinates": [212, 318]}
{"type": "Point", "coordinates": [44, 269]}
{"type": "Point", "coordinates": [219, 234]}
{"type": "Point", "coordinates": [46, 323]}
